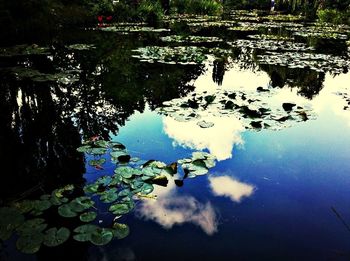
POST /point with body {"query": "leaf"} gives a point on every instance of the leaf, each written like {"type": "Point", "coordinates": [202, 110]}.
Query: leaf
{"type": "Point", "coordinates": [31, 226]}
{"type": "Point", "coordinates": [102, 144]}
{"type": "Point", "coordinates": [98, 151]}
{"type": "Point", "coordinates": [146, 188]}
{"type": "Point", "coordinates": [101, 236]}
{"type": "Point", "coordinates": [54, 237]}
{"type": "Point", "coordinates": [66, 211]}
{"type": "Point", "coordinates": [120, 230]}
{"type": "Point", "coordinates": [119, 209]}
{"type": "Point", "coordinates": [117, 146]}
{"type": "Point", "coordinates": [109, 196]}
{"type": "Point", "coordinates": [80, 204]}
{"type": "Point", "coordinates": [204, 124]}
{"type": "Point", "coordinates": [84, 232]}
{"type": "Point", "coordinates": [91, 188]}
{"type": "Point", "coordinates": [30, 243]}
{"type": "Point", "coordinates": [125, 172]}
{"type": "Point", "coordinates": [85, 148]}
{"type": "Point", "coordinates": [88, 216]}
{"type": "Point", "coordinates": [98, 162]}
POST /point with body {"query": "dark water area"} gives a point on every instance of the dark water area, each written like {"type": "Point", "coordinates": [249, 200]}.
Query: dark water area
{"type": "Point", "coordinates": [277, 193]}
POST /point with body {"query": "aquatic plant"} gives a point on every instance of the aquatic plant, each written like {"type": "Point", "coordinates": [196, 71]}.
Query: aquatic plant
{"type": "Point", "coordinates": [131, 181]}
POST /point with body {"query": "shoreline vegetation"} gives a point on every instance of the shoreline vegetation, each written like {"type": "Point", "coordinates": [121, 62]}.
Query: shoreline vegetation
{"type": "Point", "coordinates": [23, 19]}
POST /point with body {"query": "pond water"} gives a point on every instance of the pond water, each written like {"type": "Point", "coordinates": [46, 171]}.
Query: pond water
{"type": "Point", "coordinates": [280, 186]}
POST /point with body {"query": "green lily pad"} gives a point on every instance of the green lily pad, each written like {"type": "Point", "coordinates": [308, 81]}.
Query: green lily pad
{"type": "Point", "coordinates": [91, 188]}
{"type": "Point", "coordinates": [39, 206]}
{"type": "Point", "coordinates": [119, 209]}
{"type": "Point", "coordinates": [85, 149]}
{"type": "Point", "coordinates": [24, 206]}
{"type": "Point", "coordinates": [80, 204]}
{"type": "Point", "coordinates": [98, 151]}
{"type": "Point", "coordinates": [88, 216]}
{"type": "Point", "coordinates": [125, 172]}
{"type": "Point", "coordinates": [98, 162]}
{"type": "Point", "coordinates": [84, 232]}
{"type": "Point", "coordinates": [120, 230]}
{"type": "Point", "coordinates": [31, 226]}
{"type": "Point", "coordinates": [117, 146]}
{"type": "Point", "coordinates": [109, 196]}
{"type": "Point", "coordinates": [102, 144]}
{"type": "Point", "coordinates": [146, 188]}
{"type": "Point", "coordinates": [66, 211]}
{"type": "Point", "coordinates": [101, 236]}
{"type": "Point", "coordinates": [54, 237]}
{"type": "Point", "coordinates": [30, 243]}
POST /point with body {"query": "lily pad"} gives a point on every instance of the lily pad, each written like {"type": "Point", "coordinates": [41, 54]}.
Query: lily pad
{"type": "Point", "coordinates": [54, 237]}
{"type": "Point", "coordinates": [101, 236]}
{"type": "Point", "coordinates": [119, 209]}
{"type": "Point", "coordinates": [30, 243]}
{"type": "Point", "coordinates": [88, 216]}
{"type": "Point", "coordinates": [120, 230]}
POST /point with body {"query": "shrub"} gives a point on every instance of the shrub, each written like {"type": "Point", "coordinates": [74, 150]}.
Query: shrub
{"type": "Point", "coordinates": [333, 16]}
{"type": "Point", "coordinates": [200, 7]}
{"type": "Point", "coordinates": [150, 11]}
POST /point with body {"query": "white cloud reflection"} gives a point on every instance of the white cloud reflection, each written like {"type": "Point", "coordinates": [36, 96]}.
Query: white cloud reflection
{"type": "Point", "coordinates": [229, 187]}
{"type": "Point", "coordinates": [219, 139]}
{"type": "Point", "coordinates": [171, 209]}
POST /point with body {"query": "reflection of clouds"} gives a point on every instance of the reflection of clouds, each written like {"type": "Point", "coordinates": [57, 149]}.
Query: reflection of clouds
{"type": "Point", "coordinates": [229, 187]}
{"type": "Point", "coordinates": [170, 209]}
{"type": "Point", "coordinates": [219, 139]}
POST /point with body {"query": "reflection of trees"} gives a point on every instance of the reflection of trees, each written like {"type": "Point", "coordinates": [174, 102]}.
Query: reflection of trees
{"type": "Point", "coordinates": [219, 70]}
{"type": "Point", "coordinates": [42, 122]}
{"type": "Point", "coordinates": [309, 82]}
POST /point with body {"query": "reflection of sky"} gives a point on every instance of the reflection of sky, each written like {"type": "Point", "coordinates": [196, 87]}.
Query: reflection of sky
{"type": "Point", "coordinates": [219, 139]}
{"type": "Point", "coordinates": [170, 209]}
{"type": "Point", "coordinates": [229, 187]}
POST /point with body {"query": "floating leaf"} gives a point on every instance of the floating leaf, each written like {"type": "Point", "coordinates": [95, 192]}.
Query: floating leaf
{"type": "Point", "coordinates": [119, 209]}
{"type": "Point", "coordinates": [84, 232]}
{"type": "Point", "coordinates": [88, 216]}
{"type": "Point", "coordinates": [120, 230]}
{"type": "Point", "coordinates": [125, 172]}
{"type": "Point", "coordinates": [85, 148]}
{"type": "Point", "coordinates": [66, 211]}
{"type": "Point", "coordinates": [31, 226]}
{"type": "Point", "coordinates": [30, 243]}
{"type": "Point", "coordinates": [54, 237]}
{"type": "Point", "coordinates": [205, 124]}
{"type": "Point", "coordinates": [101, 236]}
{"type": "Point", "coordinates": [98, 162]}
{"type": "Point", "coordinates": [109, 196]}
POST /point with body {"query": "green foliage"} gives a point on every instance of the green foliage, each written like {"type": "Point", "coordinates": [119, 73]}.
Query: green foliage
{"type": "Point", "coordinates": [333, 16]}
{"type": "Point", "coordinates": [200, 7]}
{"type": "Point", "coordinates": [150, 11]}
{"type": "Point", "coordinates": [247, 4]}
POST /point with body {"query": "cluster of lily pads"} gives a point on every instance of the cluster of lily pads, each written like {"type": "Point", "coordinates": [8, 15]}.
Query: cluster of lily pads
{"type": "Point", "coordinates": [191, 39]}
{"type": "Point", "coordinates": [271, 45]}
{"type": "Point", "coordinates": [255, 110]}
{"type": "Point", "coordinates": [131, 181]}
{"type": "Point", "coordinates": [345, 95]}
{"type": "Point", "coordinates": [179, 54]}
{"type": "Point", "coordinates": [133, 29]}
{"type": "Point", "coordinates": [24, 73]}
{"type": "Point", "coordinates": [270, 37]}
{"type": "Point", "coordinates": [24, 50]}
{"type": "Point", "coordinates": [316, 62]}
